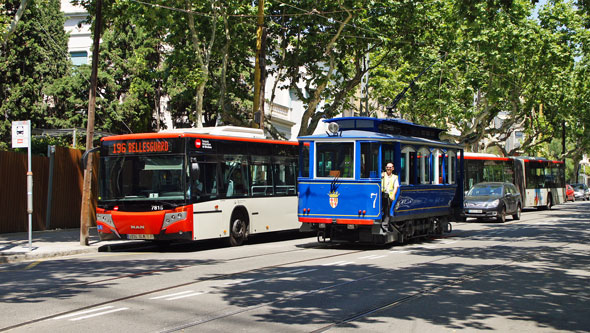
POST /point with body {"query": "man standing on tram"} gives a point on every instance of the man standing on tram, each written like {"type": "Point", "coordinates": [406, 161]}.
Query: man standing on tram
{"type": "Point", "coordinates": [389, 188]}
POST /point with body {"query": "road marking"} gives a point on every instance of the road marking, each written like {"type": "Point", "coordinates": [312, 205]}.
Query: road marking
{"type": "Point", "coordinates": [237, 281]}
{"type": "Point", "coordinates": [334, 263]}
{"type": "Point", "coordinates": [183, 296]}
{"type": "Point", "coordinates": [307, 271]}
{"type": "Point", "coordinates": [399, 251]}
{"type": "Point", "coordinates": [291, 272]}
{"type": "Point", "coordinates": [172, 295]}
{"type": "Point", "coordinates": [83, 312]}
{"type": "Point", "coordinates": [33, 264]}
{"type": "Point", "coordinates": [98, 314]}
{"type": "Point", "coordinates": [377, 257]}
{"type": "Point", "coordinates": [255, 281]}
{"type": "Point", "coordinates": [345, 263]}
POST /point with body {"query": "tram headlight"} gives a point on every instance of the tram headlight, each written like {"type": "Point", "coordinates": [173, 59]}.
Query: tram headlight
{"type": "Point", "coordinates": [170, 218]}
{"type": "Point", "coordinates": [333, 128]}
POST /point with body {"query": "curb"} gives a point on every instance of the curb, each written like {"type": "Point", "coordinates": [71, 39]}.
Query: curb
{"type": "Point", "coordinates": [18, 257]}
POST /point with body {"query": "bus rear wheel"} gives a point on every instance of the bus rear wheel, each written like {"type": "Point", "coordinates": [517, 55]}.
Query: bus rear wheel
{"type": "Point", "coordinates": [237, 231]}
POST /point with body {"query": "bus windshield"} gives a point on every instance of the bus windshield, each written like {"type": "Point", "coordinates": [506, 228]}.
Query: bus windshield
{"type": "Point", "coordinates": [142, 178]}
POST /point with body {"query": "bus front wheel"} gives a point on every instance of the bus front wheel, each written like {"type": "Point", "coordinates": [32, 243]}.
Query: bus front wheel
{"type": "Point", "coordinates": [237, 231]}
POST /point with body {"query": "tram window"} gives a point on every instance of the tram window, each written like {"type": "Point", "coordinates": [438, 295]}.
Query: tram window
{"type": "Point", "coordinates": [369, 160]}
{"type": "Point", "coordinates": [388, 154]}
{"type": "Point", "coordinates": [406, 174]}
{"type": "Point", "coordinates": [437, 167]}
{"type": "Point", "coordinates": [234, 173]}
{"type": "Point", "coordinates": [451, 167]}
{"type": "Point", "coordinates": [335, 159]}
{"type": "Point", "coordinates": [424, 166]}
{"type": "Point", "coordinates": [304, 159]}
{"type": "Point", "coordinates": [260, 175]}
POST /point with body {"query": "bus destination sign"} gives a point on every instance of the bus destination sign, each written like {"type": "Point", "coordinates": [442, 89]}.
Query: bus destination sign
{"type": "Point", "coordinates": [139, 147]}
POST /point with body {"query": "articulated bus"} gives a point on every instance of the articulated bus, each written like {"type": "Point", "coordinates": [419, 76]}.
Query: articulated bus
{"type": "Point", "coordinates": [195, 184]}
{"type": "Point", "coordinates": [541, 182]}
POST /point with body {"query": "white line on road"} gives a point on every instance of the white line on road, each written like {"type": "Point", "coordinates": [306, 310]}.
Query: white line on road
{"type": "Point", "coordinates": [172, 295]}
{"type": "Point", "coordinates": [307, 271]}
{"type": "Point", "coordinates": [83, 312]}
{"type": "Point", "coordinates": [183, 296]}
{"type": "Point", "coordinates": [98, 314]}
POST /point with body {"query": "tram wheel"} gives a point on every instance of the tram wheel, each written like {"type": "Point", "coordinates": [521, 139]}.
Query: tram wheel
{"type": "Point", "coordinates": [237, 231]}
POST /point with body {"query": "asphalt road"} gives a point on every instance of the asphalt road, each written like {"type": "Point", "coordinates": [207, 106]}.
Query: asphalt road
{"type": "Point", "coordinates": [528, 275]}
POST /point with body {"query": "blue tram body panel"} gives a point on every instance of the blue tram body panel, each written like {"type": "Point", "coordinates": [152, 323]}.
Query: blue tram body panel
{"type": "Point", "coordinates": [424, 199]}
{"type": "Point", "coordinates": [343, 203]}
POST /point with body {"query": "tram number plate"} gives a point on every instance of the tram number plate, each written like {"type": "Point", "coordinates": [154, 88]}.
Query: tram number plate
{"type": "Point", "coordinates": [140, 236]}
{"type": "Point", "coordinates": [475, 211]}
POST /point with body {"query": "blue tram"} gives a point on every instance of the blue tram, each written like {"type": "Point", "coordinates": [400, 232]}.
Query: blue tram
{"type": "Point", "coordinates": [339, 185]}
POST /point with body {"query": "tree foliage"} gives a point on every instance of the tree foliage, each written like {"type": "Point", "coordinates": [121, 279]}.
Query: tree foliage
{"type": "Point", "coordinates": [485, 59]}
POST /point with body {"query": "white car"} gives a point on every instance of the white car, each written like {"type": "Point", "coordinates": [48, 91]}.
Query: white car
{"type": "Point", "coordinates": [581, 191]}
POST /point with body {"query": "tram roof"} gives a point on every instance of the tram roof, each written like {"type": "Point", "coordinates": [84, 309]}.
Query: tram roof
{"type": "Point", "coordinates": [382, 129]}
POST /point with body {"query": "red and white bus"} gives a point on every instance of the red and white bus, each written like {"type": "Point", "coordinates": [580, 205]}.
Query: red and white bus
{"type": "Point", "coordinates": [196, 184]}
{"type": "Point", "coordinates": [541, 182]}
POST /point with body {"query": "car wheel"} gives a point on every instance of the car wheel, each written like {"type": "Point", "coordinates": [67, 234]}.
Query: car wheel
{"type": "Point", "coordinates": [502, 216]}
{"type": "Point", "coordinates": [516, 216]}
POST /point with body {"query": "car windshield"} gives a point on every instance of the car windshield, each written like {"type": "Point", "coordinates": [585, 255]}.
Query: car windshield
{"type": "Point", "coordinates": [578, 186]}
{"type": "Point", "coordinates": [486, 190]}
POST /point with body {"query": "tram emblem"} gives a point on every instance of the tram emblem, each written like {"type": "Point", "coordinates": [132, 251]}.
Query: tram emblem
{"type": "Point", "coordinates": [333, 199]}
{"type": "Point", "coordinates": [334, 193]}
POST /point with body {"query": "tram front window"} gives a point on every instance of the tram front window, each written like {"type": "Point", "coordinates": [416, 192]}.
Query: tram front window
{"type": "Point", "coordinates": [335, 159]}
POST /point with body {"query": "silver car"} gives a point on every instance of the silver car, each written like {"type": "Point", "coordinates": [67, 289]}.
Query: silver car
{"type": "Point", "coordinates": [581, 191]}
{"type": "Point", "coordinates": [493, 200]}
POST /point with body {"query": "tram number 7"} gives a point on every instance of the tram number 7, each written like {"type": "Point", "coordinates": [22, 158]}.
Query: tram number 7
{"type": "Point", "coordinates": [374, 201]}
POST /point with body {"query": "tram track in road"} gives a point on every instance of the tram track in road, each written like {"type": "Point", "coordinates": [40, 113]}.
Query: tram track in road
{"type": "Point", "coordinates": [396, 302]}
{"type": "Point", "coordinates": [258, 269]}
{"type": "Point", "coordinates": [193, 282]}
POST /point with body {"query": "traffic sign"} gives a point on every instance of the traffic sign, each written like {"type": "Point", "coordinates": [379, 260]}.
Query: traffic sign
{"type": "Point", "coordinates": [21, 134]}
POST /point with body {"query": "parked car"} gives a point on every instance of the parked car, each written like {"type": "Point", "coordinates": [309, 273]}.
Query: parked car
{"type": "Point", "coordinates": [581, 191]}
{"type": "Point", "coordinates": [493, 200]}
{"type": "Point", "coordinates": [569, 193]}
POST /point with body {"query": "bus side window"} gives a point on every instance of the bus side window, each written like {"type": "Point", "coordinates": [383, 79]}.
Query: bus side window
{"type": "Point", "coordinates": [234, 173]}
{"type": "Point", "coordinates": [285, 175]}
{"type": "Point", "coordinates": [261, 176]}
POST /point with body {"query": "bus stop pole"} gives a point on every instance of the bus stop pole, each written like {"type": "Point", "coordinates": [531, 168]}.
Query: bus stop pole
{"type": "Point", "coordinates": [30, 198]}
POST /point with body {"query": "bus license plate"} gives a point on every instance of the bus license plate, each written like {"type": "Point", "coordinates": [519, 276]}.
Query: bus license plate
{"type": "Point", "coordinates": [140, 236]}
{"type": "Point", "coordinates": [475, 211]}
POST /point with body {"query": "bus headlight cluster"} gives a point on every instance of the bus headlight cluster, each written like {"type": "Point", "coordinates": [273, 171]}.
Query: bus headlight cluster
{"type": "Point", "coordinates": [170, 218]}
{"type": "Point", "coordinates": [106, 219]}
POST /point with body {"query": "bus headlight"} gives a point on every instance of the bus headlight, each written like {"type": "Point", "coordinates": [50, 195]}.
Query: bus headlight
{"type": "Point", "coordinates": [106, 219]}
{"type": "Point", "coordinates": [170, 218]}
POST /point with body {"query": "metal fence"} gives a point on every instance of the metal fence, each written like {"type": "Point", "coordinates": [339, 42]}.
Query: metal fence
{"type": "Point", "coordinates": [66, 191]}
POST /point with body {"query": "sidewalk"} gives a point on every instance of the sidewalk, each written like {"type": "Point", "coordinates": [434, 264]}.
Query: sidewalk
{"type": "Point", "coordinates": [14, 247]}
